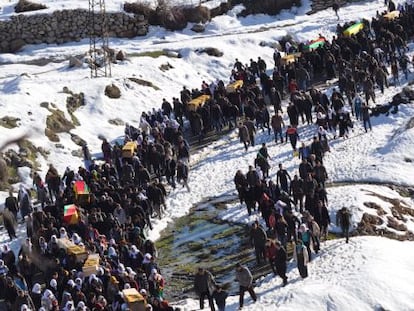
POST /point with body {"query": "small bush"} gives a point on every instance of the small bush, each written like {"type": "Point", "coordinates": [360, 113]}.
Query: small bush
{"type": "Point", "coordinates": [173, 19]}
{"type": "Point", "coordinates": [198, 14]}
{"type": "Point", "coordinates": [211, 52]}
{"type": "Point", "coordinates": [138, 8]}
{"type": "Point", "coordinates": [26, 6]}
{"type": "Point", "coordinates": [270, 7]}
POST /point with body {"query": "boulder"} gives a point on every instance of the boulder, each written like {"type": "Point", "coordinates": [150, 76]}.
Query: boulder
{"type": "Point", "coordinates": [198, 28]}
{"type": "Point", "coordinates": [112, 91]}
{"type": "Point", "coordinates": [26, 6]}
{"type": "Point", "coordinates": [211, 52]}
{"type": "Point", "coordinates": [74, 62]}
{"type": "Point", "coordinates": [198, 14]}
{"type": "Point", "coordinates": [16, 45]}
{"type": "Point", "coordinates": [121, 55]}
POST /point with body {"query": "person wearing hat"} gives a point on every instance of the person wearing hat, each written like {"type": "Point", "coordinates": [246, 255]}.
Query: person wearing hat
{"type": "Point", "coordinates": [245, 279]}
{"type": "Point", "coordinates": [204, 284]}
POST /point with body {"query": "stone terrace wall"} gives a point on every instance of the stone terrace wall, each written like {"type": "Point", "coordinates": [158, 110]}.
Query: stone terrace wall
{"type": "Point", "coordinates": [63, 26]}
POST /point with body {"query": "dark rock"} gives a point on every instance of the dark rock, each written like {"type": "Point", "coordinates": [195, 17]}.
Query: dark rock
{"type": "Point", "coordinates": [112, 91]}
{"type": "Point", "coordinates": [26, 6]}
{"type": "Point", "coordinates": [121, 55]}
{"type": "Point", "coordinates": [211, 52]}
{"type": "Point", "coordinates": [198, 14]}
{"type": "Point", "coordinates": [16, 45]}
{"type": "Point", "coordinates": [198, 28]}
{"type": "Point", "coordinates": [75, 62]}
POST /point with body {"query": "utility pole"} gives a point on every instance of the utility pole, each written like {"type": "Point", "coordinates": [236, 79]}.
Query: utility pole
{"type": "Point", "coordinates": [98, 40]}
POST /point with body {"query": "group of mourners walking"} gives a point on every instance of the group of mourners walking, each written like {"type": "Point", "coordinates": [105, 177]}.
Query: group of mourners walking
{"type": "Point", "coordinates": [127, 191]}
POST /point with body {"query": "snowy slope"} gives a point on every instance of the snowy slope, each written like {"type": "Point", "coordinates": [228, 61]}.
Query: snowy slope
{"type": "Point", "coordinates": [367, 274]}
{"type": "Point", "coordinates": [344, 277]}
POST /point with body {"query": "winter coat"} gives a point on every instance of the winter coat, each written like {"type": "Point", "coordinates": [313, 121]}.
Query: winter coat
{"type": "Point", "coordinates": [277, 122]}
{"type": "Point", "coordinates": [244, 134]}
{"type": "Point", "coordinates": [258, 237]}
{"type": "Point", "coordinates": [300, 253]}
{"type": "Point", "coordinates": [252, 178]}
{"type": "Point", "coordinates": [244, 277]}
{"type": "Point", "coordinates": [343, 218]}
{"type": "Point", "coordinates": [281, 257]}
{"type": "Point", "coordinates": [204, 282]}
{"type": "Point", "coordinates": [320, 173]}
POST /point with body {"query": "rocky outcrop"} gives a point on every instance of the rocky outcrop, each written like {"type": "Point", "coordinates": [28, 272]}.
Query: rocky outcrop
{"type": "Point", "coordinates": [63, 26]}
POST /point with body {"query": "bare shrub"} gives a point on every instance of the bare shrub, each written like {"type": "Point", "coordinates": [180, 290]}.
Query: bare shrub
{"type": "Point", "coordinates": [26, 6]}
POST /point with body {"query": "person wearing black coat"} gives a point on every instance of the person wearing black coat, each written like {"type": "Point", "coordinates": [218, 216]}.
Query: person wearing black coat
{"type": "Point", "coordinates": [220, 296]}
{"type": "Point", "coordinates": [240, 182]}
{"type": "Point", "coordinates": [280, 262]}
{"type": "Point", "coordinates": [11, 204]}
{"type": "Point", "coordinates": [203, 285]}
{"type": "Point", "coordinates": [296, 190]}
{"type": "Point", "coordinates": [258, 240]}
{"type": "Point", "coordinates": [170, 168]}
{"type": "Point", "coordinates": [317, 149]}
{"type": "Point", "coordinates": [321, 216]}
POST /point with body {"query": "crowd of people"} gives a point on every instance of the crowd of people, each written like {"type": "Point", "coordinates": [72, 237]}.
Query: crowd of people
{"type": "Point", "coordinates": [127, 190]}
{"type": "Point", "coordinates": [294, 210]}
{"type": "Point", "coordinates": [124, 192]}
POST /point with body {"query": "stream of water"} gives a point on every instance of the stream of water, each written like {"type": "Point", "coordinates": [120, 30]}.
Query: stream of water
{"type": "Point", "coordinates": [201, 239]}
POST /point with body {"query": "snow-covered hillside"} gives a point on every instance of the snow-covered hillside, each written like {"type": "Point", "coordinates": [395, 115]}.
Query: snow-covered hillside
{"type": "Point", "coordinates": [369, 273]}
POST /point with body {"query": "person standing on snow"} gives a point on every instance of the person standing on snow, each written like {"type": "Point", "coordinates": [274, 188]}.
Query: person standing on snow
{"type": "Point", "coordinates": [280, 262]}
{"type": "Point", "coordinates": [366, 117]}
{"type": "Point", "coordinates": [245, 279]}
{"type": "Point", "coordinates": [300, 254]}
{"type": "Point", "coordinates": [343, 219]}
{"type": "Point", "coordinates": [293, 136]}
{"type": "Point", "coordinates": [220, 296]}
{"type": "Point", "coordinates": [244, 136]}
{"type": "Point", "coordinates": [282, 178]}
{"type": "Point", "coordinates": [258, 241]}
{"type": "Point", "coordinates": [204, 284]}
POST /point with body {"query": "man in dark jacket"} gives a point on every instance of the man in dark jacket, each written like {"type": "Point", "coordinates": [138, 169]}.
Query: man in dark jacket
{"type": "Point", "coordinates": [258, 241]}
{"type": "Point", "coordinates": [343, 219]}
{"type": "Point", "coordinates": [240, 182]}
{"type": "Point", "coordinates": [280, 262]}
{"type": "Point", "coordinates": [11, 204]}
{"type": "Point", "coordinates": [282, 178]}
{"type": "Point", "coordinates": [366, 117]}
{"type": "Point", "coordinates": [296, 190]}
{"type": "Point", "coordinates": [204, 284]}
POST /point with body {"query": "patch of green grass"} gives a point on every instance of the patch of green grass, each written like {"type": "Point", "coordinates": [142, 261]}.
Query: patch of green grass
{"type": "Point", "coordinates": [12, 176]}
{"type": "Point", "coordinates": [9, 122]}
{"type": "Point", "coordinates": [144, 83]}
{"type": "Point", "coordinates": [74, 119]}
{"type": "Point", "coordinates": [153, 54]}
{"type": "Point", "coordinates": [32, 152]}
{"type": "Point", "coordinates": [227, 232]}
{"type": "Point", "coordinates": [195, 246]}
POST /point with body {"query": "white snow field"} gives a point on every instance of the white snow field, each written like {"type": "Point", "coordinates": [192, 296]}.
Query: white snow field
{"type": "Point", "coordinates": [369, 273]}
{"type": "Point", "coordinates": [366, 274]}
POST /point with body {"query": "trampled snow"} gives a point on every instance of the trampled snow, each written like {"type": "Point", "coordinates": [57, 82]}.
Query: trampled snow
{"type": "Point", "coordinates": [366, 274]}
{"type": "Point", "coordinates": [356, 276]}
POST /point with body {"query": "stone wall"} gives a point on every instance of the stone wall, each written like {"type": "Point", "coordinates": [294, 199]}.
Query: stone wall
{"type": "Point", "coordinates": [63, 26]}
